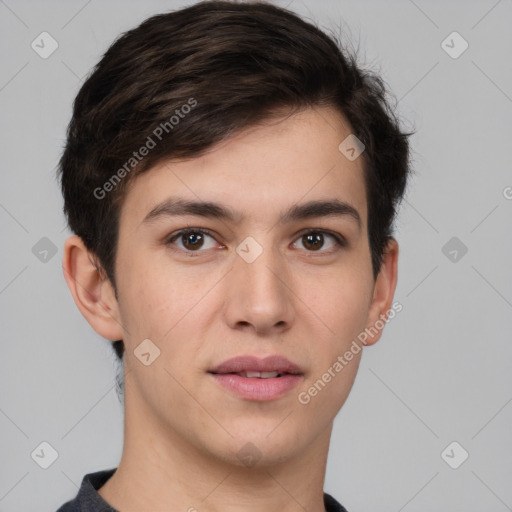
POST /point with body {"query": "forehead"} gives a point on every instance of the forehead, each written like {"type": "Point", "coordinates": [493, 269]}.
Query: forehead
{"type": "Point", "coordinates": [260, 171]}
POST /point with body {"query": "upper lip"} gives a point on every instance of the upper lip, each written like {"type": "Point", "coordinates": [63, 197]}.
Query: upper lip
{"type": "Point", "coordinates": [254, 364]}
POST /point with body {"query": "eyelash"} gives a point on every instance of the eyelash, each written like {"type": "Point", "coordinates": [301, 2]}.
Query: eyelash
{"type": "Point", "coordinates": [339, 239]}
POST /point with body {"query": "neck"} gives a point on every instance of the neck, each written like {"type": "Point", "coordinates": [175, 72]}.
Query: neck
{"type": "Point", "coordinates": [160, 469]}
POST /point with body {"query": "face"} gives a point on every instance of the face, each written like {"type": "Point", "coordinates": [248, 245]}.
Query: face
{"type": "Point", "coordinates": [268, 278]}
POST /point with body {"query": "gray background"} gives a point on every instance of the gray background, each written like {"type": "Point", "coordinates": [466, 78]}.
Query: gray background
{"type": "Point", "coordinates": [441, 372]}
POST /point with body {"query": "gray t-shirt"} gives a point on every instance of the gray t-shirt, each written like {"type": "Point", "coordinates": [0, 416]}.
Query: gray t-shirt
{"type": "Point", "coordinates": [88, 499]}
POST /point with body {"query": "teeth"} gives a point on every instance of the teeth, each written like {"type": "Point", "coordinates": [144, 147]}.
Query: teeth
{"type": "Point", "coordinates": [261, 375]}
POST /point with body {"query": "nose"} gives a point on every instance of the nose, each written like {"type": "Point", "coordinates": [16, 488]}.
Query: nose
{"type": "Point", "coordinates": [259, 295]}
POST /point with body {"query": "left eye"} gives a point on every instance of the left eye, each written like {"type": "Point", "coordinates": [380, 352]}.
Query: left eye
{"type": "Point", "coordinates": [193, 240]}
{"type": "Point", "coordinates": [315, 240]}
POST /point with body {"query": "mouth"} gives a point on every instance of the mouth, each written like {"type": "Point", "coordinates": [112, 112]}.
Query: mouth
{"type": "Point", "coordinates": [257, 375]}
{"type": "Point", "coordinates": [258, 379]}
{"type": "Point", "coordinates": [253, 366]}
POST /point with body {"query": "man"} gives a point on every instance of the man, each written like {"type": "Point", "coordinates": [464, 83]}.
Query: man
{"type": "Point", "coordinates": [231, 177]}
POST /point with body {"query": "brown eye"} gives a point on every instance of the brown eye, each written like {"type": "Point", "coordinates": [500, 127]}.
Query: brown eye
{"type": "Point", "coordinates": [192, 240]}
{"type": "Point", "coordinates": [314, 241]}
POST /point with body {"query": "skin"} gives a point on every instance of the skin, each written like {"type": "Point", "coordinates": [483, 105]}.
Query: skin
{"type": "Point", "coordinates": [182, 430]}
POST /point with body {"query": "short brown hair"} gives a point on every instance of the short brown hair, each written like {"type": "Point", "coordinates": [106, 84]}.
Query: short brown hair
{"type": "Point", "coordinates": [232, 65]}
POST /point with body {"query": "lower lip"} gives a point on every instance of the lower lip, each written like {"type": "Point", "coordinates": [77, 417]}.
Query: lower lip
{"type": "Point", "coordinates": [255, 388]}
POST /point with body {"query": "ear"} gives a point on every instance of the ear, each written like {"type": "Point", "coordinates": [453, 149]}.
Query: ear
{"type": "Point", "coordinates": [383, 292]}
{"type": "Point", "coordinates": [91, 289]}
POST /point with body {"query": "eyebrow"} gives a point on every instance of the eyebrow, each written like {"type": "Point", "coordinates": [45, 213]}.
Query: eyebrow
{"type": "Point", "coordinates": [176, 206]}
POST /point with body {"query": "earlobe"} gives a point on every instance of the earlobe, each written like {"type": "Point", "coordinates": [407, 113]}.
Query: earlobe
{"type": "Point", "coordinates": [383, 293]}
{"type": "Point", "coordinates": [91, 290]}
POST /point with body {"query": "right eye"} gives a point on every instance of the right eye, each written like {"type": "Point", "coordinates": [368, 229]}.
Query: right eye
{"type": "Point", "coordinates": [192, 239]}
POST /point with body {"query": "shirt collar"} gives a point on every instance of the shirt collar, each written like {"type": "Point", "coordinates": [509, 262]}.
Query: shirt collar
{"type": "Point", "coordinates": [88, 499]}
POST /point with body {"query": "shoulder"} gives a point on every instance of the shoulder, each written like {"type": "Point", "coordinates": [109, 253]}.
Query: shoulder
{"type": "Point", "coordinates": [87, 498]}
{"type": "Point", "coordinates": [332, 505]}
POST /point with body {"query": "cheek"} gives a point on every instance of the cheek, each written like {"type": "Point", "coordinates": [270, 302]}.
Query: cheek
{"type": "Point", "coordinates": [338, 300]}
{"type": "Point", "coordinates": [146, 299]}
{"type": "Point", "coordinates": [327, 388]}
{"type": "Point", "coordinates": [343, 305]}
{"type": "Point", "coordinates": [160, 302]}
